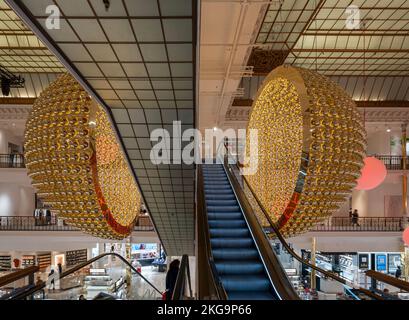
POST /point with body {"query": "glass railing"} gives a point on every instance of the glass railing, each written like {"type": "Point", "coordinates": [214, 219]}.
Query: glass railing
{"type": "Point", "coordinates": [106, 277]}
{"type": "Point", "coordinates": [292, 262]}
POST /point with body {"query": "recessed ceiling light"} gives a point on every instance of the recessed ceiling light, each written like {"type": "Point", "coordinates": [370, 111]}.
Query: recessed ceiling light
{"type": "Point", "coordinates": [388, 130]}
{"type": "Point", "coordinates": [214, 128]}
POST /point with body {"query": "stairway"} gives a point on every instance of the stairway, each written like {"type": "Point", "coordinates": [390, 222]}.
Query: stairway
{"type": "Point", "coordinates": [237, 260]}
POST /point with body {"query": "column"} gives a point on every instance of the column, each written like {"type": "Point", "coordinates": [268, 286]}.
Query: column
{"type": "Point", "coordinates": [405, 266]}
{"type": "Point", "coordinates": [404, 174]}
{"type": "Point", "coordinates": [313, 261]}
{"type": "Point", "coordinates": [128, 258]}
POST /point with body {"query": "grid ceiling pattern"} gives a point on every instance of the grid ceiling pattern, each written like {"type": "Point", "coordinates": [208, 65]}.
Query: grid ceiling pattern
{"type": "Point", "coordinates": [322, 42]}
{"type": "Point", "coordinates": [20, 49]}
{"type": "Point", "coordinates": [138, 56]}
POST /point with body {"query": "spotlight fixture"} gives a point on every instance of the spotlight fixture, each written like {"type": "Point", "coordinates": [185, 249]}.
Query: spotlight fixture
{"type": "Point", "coordinates": [388, 130]}
{"type": "Point", "coordinates": [9, 80]}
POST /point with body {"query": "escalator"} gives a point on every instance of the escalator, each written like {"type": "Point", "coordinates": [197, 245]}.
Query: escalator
{"type": "Point", "coordinates": [237, 261]}
{"type": "Point", "coordinates": [110, 285]}
{"type": "Point", "coordinates": [235, 258]}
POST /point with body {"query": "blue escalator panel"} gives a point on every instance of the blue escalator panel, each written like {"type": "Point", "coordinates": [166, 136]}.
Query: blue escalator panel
{"type": "Point", "coordinates": [237, 259]}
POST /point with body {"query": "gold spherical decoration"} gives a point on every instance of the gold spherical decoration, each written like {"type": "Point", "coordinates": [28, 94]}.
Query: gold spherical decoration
{"type": "Point", "coordinates": [75, 162]}
{"type": "Point", "coordinates": [311, 146]}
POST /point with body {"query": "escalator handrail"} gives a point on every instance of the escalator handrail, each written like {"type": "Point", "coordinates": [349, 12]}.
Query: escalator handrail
{"type": "Point", "coordinates": [379, 276]}
{"type": "Point", "coordinates": [274, 269]}
{"type": "Point", "coordinates": [84, 264]}
{"type": "Point", "coordinates": [183, 275]}
{"type": "Point", "coordinates": [281, 238]}
{"type": "Point", "coordinates": [17, 275]}
{"type": "Point", "coordinates": [221, 292]}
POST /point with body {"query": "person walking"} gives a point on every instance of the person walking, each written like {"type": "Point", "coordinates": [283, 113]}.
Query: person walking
{"type": "Point", "coordinates": [171, 277]}
{"type": "Point", "coordinates": [51, 279]}
{"type": "Point", "coordinates": [355, 218]}
{"type": "Point", "coordinates": [398, 272]}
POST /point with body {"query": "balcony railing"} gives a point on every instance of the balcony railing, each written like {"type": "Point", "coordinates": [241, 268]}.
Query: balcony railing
{"type": "Point", "coordinates": [14, 160]}
{"type": "Point", "coordinates": [28, 223]}
{"type": "Point", "coordinates": [392, 162]}
{"type": "Point", "coordinates": [363, 224]}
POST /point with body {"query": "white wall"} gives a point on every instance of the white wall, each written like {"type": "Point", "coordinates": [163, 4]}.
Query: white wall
{"type": "Point", "coordinates": [7, 137]}
{"type": "Point", "coordinates": [16, 200]}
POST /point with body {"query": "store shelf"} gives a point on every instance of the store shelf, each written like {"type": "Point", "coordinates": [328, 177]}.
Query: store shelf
{"type": "Point", "coordinates": [28, 261]}
{"type": "Point", "coordinates": [75, 257]}
{"type": "Point", "coordinates": [43, 261]}
{"type": "Point", "coordinates": [5, 263]}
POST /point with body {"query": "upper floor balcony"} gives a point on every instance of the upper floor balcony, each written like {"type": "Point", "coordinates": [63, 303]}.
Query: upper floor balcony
{"type": "Point", "coordinates": [13, 160]}
{"type": "Point", "coordinates": [392, 162]}
{"type": "Point", "coordinates": [30, 223]}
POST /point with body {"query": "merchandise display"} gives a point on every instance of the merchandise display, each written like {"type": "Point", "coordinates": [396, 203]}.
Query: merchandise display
{"type": "Point", "coordinates": [5, 263]}
{"type": "Point", "coordinates": [44, 261]}
{"type": "Point", "coordinates": [75, 257]}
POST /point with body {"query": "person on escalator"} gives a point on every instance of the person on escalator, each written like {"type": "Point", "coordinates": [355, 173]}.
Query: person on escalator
{"type": "Point", "coordinates": [398, 272]}
{"type": "Point", "coordinates": [171, 277]}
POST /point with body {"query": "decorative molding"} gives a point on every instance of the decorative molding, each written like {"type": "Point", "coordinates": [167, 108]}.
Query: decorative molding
{"type": "Point", "coordinates": [264, 61]}
{"type": "Point", "coordinates": [372, 111]}
{"type": "Point", "coordinates": [17, 101]}
{"type": "Point", "coordinates": [382, 104]}
{"type": "Point", "coordinates": [14, 113]}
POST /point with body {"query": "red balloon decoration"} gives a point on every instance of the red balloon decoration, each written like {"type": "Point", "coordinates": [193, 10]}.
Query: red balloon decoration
{"type": "Point", "coordinates": [372, 174]}
{"type": "Point", "coordinates": [405, 236]}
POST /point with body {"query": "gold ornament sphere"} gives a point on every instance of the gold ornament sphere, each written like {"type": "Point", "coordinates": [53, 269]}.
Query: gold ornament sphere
{"type": "Point", "coordinates": [75, 162]}
{"type": "Point", "coordinates": [311, 146]}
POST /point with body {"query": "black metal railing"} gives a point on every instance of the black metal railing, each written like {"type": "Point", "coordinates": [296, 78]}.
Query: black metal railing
{"type": "Point", "coordinates": [12, 160]}
{"type": "Point", "coordinates": [29, 223]}
{"type": "Point", "coordinates": [383, 224]}
{"type": "Point", "coordinates": [392, 162]}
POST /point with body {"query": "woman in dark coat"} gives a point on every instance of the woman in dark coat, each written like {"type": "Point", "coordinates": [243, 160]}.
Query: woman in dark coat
{"type": "Point", "coordinates": [171, 277]}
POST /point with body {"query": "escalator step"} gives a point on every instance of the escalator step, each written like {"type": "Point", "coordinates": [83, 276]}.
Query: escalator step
{"type": "Point", "coordinates": [250, 295]}
{"type": "Point", "coordinates": [224, 215]}
{"type": "Point", "coordinates": [229, 233]}
{"type": "Point", "coordinates": [219, 192]}
{"type": "Point", "coordinates": [232, 243]}
{"type": "Point", "coordinates": [248, 283]}
{"type": "Point", "coordinates": [235, 254]}
{"type": "Point", "coordinates": [230, 268]}
{"type": "Point", "coordinates": [221, 202]}
{"type": "Point", "coordinates": [220, 197]}
{"type": "Point", "coordinates": [223, 208]}
{"type": "Point", "coordinates": [227, 223]}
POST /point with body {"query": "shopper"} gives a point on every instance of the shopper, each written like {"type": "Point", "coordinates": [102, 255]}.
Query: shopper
{"type": "Point", "coordinates": [59, 268]}
{"type": "Point", "coordinates": [171, 277]}
{"type": "Point", "coordinates": [355, 218]}
{"type": "Point", "coordinates": [398, 272]}
{"type": "Point", "coordinates": [81, 297]}
{"type": "Point", "coordinates": [51, 279]}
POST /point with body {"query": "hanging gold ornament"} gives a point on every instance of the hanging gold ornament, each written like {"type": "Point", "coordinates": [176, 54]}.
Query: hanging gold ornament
{"type": "Point", "coordinates": [311, 146]}
{"type": "Point", "coordinates": [75, 162]}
